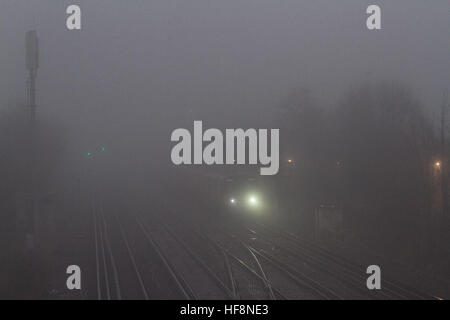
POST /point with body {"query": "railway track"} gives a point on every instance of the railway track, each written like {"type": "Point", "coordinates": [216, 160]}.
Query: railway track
{"type": "Point", "coordinates": [132, 259]}
{"type": "Point", "coordinates": [302, 281]}
{"type": "Point", "coordinates": [273, 293]}
{"type": "Point", "coordinates": [254, 262]}
{"type": "Point", "coordinates": [121, 272]}
{"type": "Point", "coordinates": [181, 284]}
{"type": "Point", "coordinates": [229, 293]}
{"type": "Point", "coordinates": [233, 288]}
{"type": "Point", "coordinates": [297, 253]}
{"type": "Point", "coordinates": [350, 272]}
{"type": "Point", "coordinates": [249, 262]}
{"type": "Point", "coordinates": [352, 281]}
{"type": "Point", "coordinates": [108, 286]}
{"type": "Point", "coordinates": [233, 266]}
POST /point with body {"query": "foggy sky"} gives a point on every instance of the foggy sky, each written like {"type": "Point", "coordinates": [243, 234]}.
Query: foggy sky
{"type": "Point", "coordinates": [138, 67]}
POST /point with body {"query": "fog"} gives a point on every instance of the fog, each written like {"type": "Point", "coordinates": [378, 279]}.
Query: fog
{"type": "Point", "coordinates": [140, 69]}
{"type": "Point", "coordinates": [140, 60]}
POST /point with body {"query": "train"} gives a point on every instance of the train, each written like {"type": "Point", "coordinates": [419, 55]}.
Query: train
{"type": "Point", "coordinates": [227, 191]}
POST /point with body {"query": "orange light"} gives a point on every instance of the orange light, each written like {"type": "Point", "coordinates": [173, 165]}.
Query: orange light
{"type": "Point", "coordinates": [437, 164]}
{"type": "Point", "coordinates": [290, 160]}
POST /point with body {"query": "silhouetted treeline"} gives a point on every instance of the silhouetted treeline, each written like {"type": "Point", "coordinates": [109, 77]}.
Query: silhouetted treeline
{"type": "Point", "coordinates": [374, 154]}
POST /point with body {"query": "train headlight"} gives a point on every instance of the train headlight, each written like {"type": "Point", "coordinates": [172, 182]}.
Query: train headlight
{"type": "Point", "coordinates": [252, 201]}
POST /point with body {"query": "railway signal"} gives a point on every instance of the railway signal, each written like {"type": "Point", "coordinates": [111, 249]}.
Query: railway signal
{"type": "Point", "coordinates": [91, 155]}
{"type": "Point", "coordinates": [437, 164]}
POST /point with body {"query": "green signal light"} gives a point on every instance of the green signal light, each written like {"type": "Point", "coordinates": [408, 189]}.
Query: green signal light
{"type": "Point", "coordinates": [89, 154]}
{"type": "Point", "coordinates": [102, 149]}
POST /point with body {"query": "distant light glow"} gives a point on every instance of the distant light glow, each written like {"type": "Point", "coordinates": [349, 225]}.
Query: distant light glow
{"type": "Point", "coordinates": [252, 200]}
{"type": "Point", "coordinates": [233, 201]}
{"type": "Point", "coordinates": [437, 164]}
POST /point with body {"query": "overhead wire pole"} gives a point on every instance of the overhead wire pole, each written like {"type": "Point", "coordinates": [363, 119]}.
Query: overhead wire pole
{"type": "Point", "coordinates": [32, 65]}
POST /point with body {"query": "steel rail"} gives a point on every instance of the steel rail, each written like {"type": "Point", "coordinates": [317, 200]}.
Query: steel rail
{"type": "Point", "coordinates": [180, 282]}
{"type": "Point", "coordinates": [132, 259]}
{"type": "Point", "coordinates": [111, 256]}
{"type": "Point", "coordinates": [391, 289]}
{"type": "Point", "coordinates": [246, 267]}
{"type": "Point", "coordinates": [220, 283]}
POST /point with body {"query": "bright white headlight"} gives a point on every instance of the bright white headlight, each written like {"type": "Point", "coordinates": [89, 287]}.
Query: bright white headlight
{"type": "Point", "coordinates": [252, 200]}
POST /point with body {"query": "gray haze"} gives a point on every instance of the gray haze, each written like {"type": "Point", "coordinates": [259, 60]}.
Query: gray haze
{"type": "Point", "coordinates": [138, 60]}
{"type": "Point", "coordinates": [358, 113]}
{"type": "Point", "coordinates": [138, 70]}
